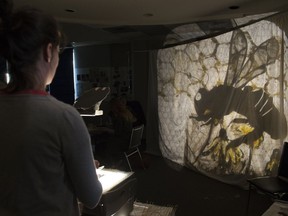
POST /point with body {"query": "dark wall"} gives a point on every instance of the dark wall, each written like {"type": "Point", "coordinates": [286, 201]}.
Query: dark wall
{"type": "Point", "coordinates": [140, 70]}
{"type": "Point", "coordinates": [113, 55]}
{"type": "Point", "coordinates": [62, 86]}
{"type": "Point", "coordinates": [3, 70]}
{"type": "Point", "coordinates": [92, 56]}
{"type": "Point", "coordinates": [117, 55]}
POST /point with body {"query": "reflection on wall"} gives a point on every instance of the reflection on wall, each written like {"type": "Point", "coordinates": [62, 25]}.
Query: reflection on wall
{"type": "Point", "coordinates": [4, 74]}
{"type": "Point", "coordinates": [222, 103]}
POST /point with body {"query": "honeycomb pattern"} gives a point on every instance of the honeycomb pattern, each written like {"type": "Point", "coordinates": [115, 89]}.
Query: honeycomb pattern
{"type": "Point", "coordinates": [183, 70]}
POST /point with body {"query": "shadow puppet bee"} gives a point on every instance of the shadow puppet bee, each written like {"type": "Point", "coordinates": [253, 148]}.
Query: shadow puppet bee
{"type": "Point", "coordinates": [241, 113]}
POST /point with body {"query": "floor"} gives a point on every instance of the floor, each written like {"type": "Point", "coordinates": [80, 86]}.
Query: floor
{"type": "Point", "coordinates": [166, 183]}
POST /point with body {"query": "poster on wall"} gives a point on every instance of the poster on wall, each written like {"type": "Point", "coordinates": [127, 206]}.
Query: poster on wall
{"type": "Point", "coordinates": [118, 79]}
{"type": "Point", "coordinates": [223, 102]}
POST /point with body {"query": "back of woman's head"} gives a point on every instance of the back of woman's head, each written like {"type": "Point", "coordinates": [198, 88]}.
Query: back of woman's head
{"type": "Point", "coordinates": [23, 35]}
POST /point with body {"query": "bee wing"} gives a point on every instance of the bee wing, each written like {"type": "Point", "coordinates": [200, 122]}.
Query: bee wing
{"type": "Point", "coordinates": [265, 54]}
{"type": "Point", "coordinates": [240, 71]}
{"type": "Point", "coordinates": [238, 53]}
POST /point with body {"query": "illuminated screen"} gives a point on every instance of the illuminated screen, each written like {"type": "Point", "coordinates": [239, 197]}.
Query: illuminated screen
{"type": "Point", "coordinates": [222, 102]}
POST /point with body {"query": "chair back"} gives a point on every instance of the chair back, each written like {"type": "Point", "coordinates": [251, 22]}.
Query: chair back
{"type": "Point", "coordinates": [136, 136]}
{"type": "Point", "coordinates": [283, 164]}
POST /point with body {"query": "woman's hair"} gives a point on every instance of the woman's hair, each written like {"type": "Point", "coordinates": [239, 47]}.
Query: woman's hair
{"type": "Point", "coordinates": [23, 35]}
{"type": "Point", "coordinates": [119, 108]}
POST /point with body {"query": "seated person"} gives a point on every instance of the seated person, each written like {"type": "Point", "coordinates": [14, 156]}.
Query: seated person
{"type": "Point", "coordinates": [122, 123]}
{"type": "Point", "coordinates": [136, 109]}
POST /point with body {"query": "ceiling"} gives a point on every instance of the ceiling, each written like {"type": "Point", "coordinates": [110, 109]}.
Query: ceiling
{"type": "Point", "coordinates": [106, 21]}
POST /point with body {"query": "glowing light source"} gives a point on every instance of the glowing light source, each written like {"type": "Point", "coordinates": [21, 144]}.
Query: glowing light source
{"type": "Point", "coordinates": [7, 78]}
{"type": "Point", "coordinates": [109, 178]}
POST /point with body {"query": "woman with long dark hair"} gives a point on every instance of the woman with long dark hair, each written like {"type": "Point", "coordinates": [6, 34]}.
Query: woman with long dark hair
{"type": "Point", "coordinates": [46, 161]}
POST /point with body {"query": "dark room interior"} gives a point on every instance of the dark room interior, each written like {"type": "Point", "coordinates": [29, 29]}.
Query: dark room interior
{"type": "Point", "coordinates": [127, 56]}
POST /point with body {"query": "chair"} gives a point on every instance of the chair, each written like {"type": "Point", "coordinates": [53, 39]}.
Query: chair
{"type": "Point", "coordinates": [274, 186]}
{"type": "Point", "coordinates": [134, 144]}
